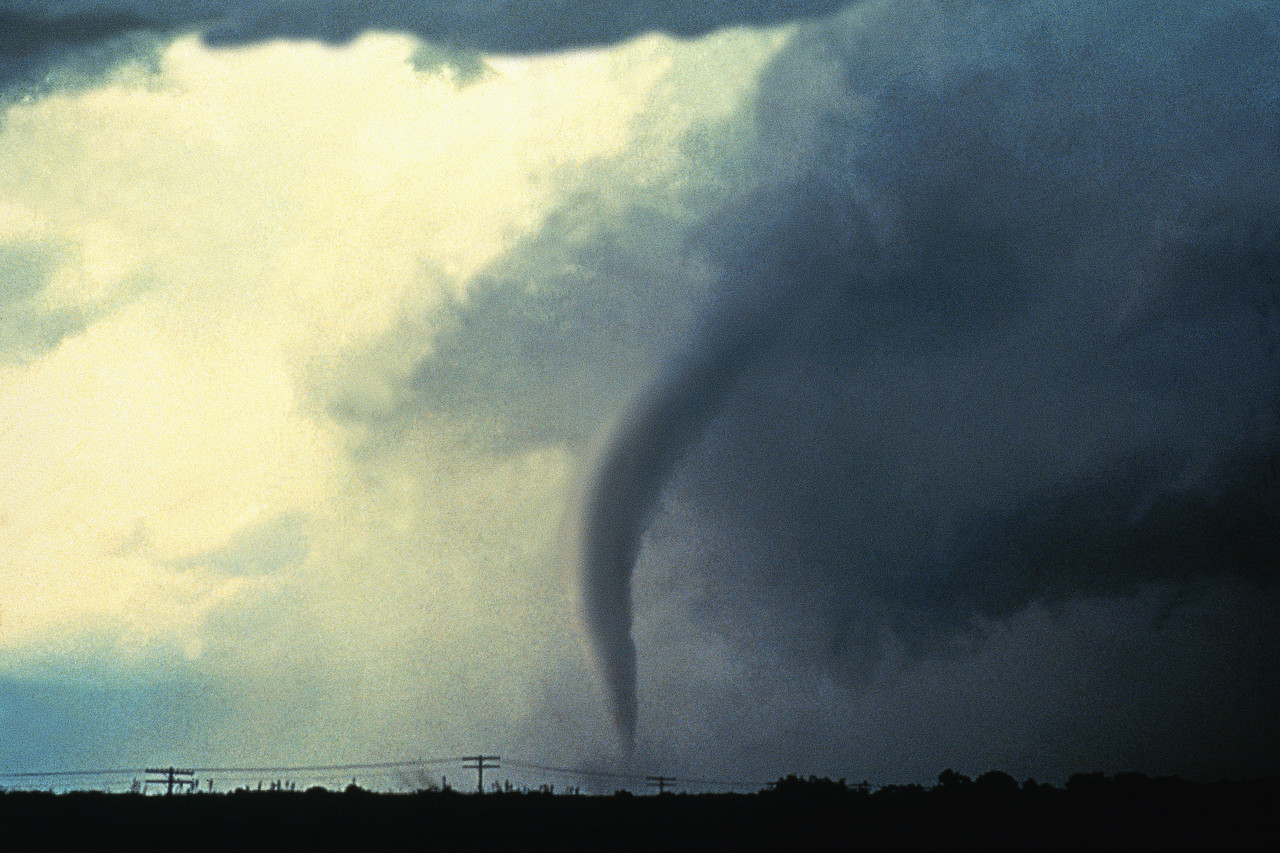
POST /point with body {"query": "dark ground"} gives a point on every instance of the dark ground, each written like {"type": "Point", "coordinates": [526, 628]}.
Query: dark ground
{"type": "Point", "coordinates": [992, 813]}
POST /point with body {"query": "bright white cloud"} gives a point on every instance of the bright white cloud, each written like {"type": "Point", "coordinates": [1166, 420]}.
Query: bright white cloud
{"type": "Point", "coordinates": [243, 227]}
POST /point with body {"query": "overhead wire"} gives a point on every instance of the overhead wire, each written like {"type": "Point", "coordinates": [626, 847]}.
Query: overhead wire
{"type": "Point", "coordinates": [636, 776]}
{"type": "Point", "coordinates": [366, 766]}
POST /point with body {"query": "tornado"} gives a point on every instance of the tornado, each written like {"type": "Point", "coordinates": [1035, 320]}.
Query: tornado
{"type": "Point", "coordinates": [621, 490]}
{"type": "Point", "coordinates": [630, 464]}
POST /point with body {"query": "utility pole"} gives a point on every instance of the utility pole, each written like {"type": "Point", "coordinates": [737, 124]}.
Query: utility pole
{"type": "Point", "coordinates": [172, 776]}
{"type": "Point", "coordinates": [480, 766]}
{"type": "Point", "coordinates": [659, 782]}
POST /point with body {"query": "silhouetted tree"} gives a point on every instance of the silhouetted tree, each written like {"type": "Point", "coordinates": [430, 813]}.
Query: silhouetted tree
{"type": "Point", "coordinates": [1087, 784]}
{"type": "Point", "coordinates": [995, 784]}
{"type": "Point", "coordinates": [949, 779]}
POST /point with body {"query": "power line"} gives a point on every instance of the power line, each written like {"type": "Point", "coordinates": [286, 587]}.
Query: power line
{"type": "Point", "coordinates": [50, 774]}
{"type": "Point", "coordinates": [470, 762]}
{"type": "Point", "coordinates": [636, 777]}
{"type": "Point", "coordinates": [302, 768]}
{"type": "Point", "coordinates": [306, 768]}
{"type": "Point", "coordinates": [571, 771]}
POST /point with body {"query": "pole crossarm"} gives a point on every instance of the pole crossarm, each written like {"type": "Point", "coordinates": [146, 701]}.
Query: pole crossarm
{"type": "Point", "coordinates": [480, 763]}
{"type": "Point", "coordinates": [172, 776]}
{"type": "Point", "coordinates": [659, 782]}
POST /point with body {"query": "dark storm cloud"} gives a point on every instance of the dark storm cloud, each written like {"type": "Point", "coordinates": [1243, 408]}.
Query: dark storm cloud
{"type": "Point", "coordinates": [1079, 281]}
{"type": "Point", "coordinates": [1057, 376]}
{"type": "Point", "coordinates": [43, 47]}
{"type": "Point", "coordinates": [77, 41]}
{"type": "Point", "coordinates": [538, 25]}
{"type": "Point", "coordinates": [1002, 333]}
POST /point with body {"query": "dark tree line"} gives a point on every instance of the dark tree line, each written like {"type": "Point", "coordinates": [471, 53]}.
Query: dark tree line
{"type": "Point", "coordinates": [1093, 811]}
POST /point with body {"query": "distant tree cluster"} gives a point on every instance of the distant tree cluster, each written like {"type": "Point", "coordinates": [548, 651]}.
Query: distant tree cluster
{"type": "Point", "coordinates": [996, 785]}
{"type": "Point", "coordinates": [995, 811]}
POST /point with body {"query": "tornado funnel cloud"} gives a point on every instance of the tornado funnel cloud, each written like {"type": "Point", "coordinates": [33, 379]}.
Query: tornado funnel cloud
{"type": "Point", "coordinates": [620, 494]}
{"type": "Point", "coordinates": [631, 465]}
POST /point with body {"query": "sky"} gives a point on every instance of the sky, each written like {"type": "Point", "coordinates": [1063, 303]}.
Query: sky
{"type": "Point", "coordinates": [721, 390]}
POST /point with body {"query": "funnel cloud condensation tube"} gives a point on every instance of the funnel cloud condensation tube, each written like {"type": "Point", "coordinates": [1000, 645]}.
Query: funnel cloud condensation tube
{"type": "Point", "coordinates": [630, 466]}
{"type": "Point", "coordinates": [622, 490]}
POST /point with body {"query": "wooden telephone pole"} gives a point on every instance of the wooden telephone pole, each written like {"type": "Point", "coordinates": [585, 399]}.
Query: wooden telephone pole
{"type": "Point", "coordinates": [480, 766]}
{"type": "Point", "coordinates": [659, 782]}
{"type": "Point", "coordinates": [172, 776]}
